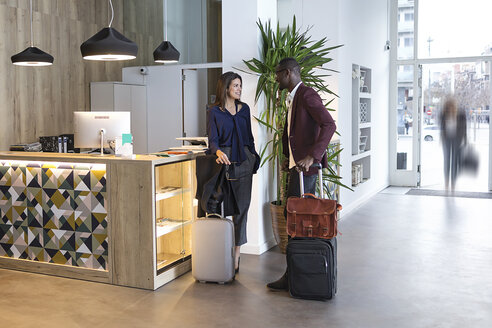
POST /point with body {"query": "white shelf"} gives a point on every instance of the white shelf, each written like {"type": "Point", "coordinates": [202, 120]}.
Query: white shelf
{"type": "Point", "coordinates": [170, 227]}
{"type": "Point", "coordinates": [169, 192]}
{"type": "Point", "coordinates": [361, 155]}
{"type": "Point", "coordinates": [164, 259]}
{"type": "Point", "coordinates": [358, 185]}
{"type": "Point", "coordinates": [364, 125]}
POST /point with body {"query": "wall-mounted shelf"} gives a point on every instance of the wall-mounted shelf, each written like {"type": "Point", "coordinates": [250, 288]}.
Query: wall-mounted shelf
{"type": "Point", "coordinates": [361, 155]}
{"type": "Point", "coordinates": [361, 124]}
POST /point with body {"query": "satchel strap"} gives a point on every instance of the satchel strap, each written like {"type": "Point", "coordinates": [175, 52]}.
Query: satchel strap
{"type": "Point", "coordinates": [325, 229]}
{"type": "Point", "coordinates": [293, 234]}
{"type": "Point", "coordinates": [339, 208]}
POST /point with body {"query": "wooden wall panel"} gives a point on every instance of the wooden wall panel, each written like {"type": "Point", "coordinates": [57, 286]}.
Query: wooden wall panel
{"type": "Point", "coordinates": [39, 101]}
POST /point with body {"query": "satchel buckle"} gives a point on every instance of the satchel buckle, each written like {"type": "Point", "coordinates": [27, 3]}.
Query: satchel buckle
{"type": "Point", "coordinates": [310, 230]}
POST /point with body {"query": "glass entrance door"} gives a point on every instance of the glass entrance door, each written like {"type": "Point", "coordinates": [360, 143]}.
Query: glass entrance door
{"type": "Point", "coordinates": [468, 83]}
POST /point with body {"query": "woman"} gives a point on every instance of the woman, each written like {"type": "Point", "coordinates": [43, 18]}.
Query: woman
{"type": "Point", "coordinates": [231, 139]}
{"type": "Point", "coordinates": [453, 137]}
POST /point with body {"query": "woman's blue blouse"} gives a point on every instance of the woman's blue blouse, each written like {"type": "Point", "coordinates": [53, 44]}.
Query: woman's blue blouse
{"type": "Point", "coordinates": [227, 130]}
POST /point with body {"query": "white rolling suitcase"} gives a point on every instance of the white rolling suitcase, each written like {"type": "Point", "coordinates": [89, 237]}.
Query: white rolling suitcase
{"type": "Point", "coordinates": [212, 258]}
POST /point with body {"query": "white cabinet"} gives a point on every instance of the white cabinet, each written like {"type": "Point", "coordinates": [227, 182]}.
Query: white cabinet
{"type": "Point", "coordinates": [118, 96]}
{"type": "Point", "coordinates": [361, 124]}
{"type": "Point", "coordinates": [177, 98]}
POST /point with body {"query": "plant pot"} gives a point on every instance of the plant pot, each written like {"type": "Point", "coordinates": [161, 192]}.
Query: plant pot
{"type": "Point", "coordinates": [279, 225]}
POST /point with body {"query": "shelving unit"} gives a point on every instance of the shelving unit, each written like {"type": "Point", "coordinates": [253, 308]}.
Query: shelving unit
{"type": "Point", "coordinates": [174, 211]}
{"type": "Point", "coordinates": [361, 124]}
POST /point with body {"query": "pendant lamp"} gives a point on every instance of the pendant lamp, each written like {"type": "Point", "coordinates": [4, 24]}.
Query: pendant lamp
{"type": "Point", "coordinates": [109, 45]}
{"type": "Point", "coordinates": [166, 52]}
{"type": "Point", "coordinates": [32, 56]}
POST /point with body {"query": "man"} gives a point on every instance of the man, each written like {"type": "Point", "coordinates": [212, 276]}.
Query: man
{"type": "Point", "coordinates": [307, 132]}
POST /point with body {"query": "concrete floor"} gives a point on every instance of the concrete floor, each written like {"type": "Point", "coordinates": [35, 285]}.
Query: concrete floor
{"type": "Point", "coordinates": [403, 261]}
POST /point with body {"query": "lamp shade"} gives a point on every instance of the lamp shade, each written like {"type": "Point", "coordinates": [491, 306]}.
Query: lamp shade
{"type": "Point", "coordinates": [108, 44]}
{"type": "Point", "coordinates": [166, 53]}
{"type": "Point", "coordinates": [32, 56]}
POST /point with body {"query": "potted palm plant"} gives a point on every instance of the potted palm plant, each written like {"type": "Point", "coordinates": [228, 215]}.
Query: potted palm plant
{"type": "Point", "coordinates": [311, 55]}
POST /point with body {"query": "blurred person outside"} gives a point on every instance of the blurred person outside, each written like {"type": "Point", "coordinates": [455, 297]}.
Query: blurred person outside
{"type": "Point", "coordinates": [453, 137]}
{"type": "Point", "coordinates": [407, 120]}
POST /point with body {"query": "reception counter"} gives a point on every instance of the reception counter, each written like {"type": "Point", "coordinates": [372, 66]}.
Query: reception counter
{"type": "Point", "coordinates": [107, 219]}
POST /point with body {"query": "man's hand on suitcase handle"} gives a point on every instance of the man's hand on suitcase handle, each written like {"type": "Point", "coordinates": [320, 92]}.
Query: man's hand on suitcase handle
{"type": "Point", "coordinates": [305, 163]}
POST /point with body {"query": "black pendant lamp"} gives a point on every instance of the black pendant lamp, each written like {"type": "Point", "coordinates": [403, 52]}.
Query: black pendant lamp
{"type": "Point", "coordinates": [166, 52]}
{"type": "Point", "coordinates": [109, 45]}
{"type": "Point", "coordinates": [32, 56]}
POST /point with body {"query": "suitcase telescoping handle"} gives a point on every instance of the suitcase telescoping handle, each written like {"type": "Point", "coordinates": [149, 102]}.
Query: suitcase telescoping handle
{"type": "Point", "coordinates": [320, 177]}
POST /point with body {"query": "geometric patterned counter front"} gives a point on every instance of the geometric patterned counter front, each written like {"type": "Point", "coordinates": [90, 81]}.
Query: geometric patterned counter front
{"type": "Point", "coordinates": [54, 212]}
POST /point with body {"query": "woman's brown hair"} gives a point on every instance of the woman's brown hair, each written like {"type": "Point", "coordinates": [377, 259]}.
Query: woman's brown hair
{"type": "Point", "coordinates": [223, 85]}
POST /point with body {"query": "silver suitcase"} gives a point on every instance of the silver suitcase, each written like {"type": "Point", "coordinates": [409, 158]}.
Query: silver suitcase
{"type": "Point", "coordinates": [212, 258]}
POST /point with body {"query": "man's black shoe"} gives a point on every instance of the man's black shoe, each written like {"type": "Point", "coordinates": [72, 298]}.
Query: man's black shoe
{"type": "Point", "coordinates": [281, 284]}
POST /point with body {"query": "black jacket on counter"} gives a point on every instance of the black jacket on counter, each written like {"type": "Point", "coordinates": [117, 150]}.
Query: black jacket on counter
{"type": "Point", "coordinates": [213, 188]}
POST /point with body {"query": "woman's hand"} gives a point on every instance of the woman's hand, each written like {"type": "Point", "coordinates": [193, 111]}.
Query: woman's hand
{"type": "Point", "coordinates": [222, 158]}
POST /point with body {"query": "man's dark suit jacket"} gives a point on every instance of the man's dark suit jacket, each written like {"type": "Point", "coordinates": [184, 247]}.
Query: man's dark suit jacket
{"type": "Point", "coordinates": [311, 128]}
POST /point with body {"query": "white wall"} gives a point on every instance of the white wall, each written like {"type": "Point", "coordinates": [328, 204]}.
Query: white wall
{"type": "Point", "coordinates": [363, 31]}
{"type": "Point", "coordinates": [361, 26]}
{"type": "Point", "coordinates": [321, 16]}
{"type": "Point", "coordinates": [240, 40]}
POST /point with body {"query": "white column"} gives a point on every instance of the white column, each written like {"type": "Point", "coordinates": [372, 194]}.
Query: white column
{"type": "Point", "coordinates": [241, 41]}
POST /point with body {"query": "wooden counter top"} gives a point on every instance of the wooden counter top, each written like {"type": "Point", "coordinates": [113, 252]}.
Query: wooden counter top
{"type": "Point", "coordinates": [92, 158]}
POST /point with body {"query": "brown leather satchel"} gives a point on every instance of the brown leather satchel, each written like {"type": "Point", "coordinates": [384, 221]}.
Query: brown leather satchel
{"type": "Point", "coordinates": [312, 217]}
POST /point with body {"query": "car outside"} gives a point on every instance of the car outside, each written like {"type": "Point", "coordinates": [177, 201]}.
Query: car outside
{"type": "Point", "coordinates": [431, 132]}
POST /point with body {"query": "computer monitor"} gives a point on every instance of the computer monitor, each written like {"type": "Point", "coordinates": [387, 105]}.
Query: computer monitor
{"type": "Point", "coordinates": [95, 129]}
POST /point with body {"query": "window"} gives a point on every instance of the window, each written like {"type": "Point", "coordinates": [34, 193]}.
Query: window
{"type": "Point", "coordinates": [405, 29]}
{"type": "Point", "coordinates": [404, 117]}
{"type": "Point", "coordinates": [449, 29]}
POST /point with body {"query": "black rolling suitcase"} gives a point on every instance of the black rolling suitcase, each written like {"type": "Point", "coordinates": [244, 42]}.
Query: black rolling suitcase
{"type": "Point", "coordinates": [312, 264]}
{"type": "Point", "coordinates": [312, 268]}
